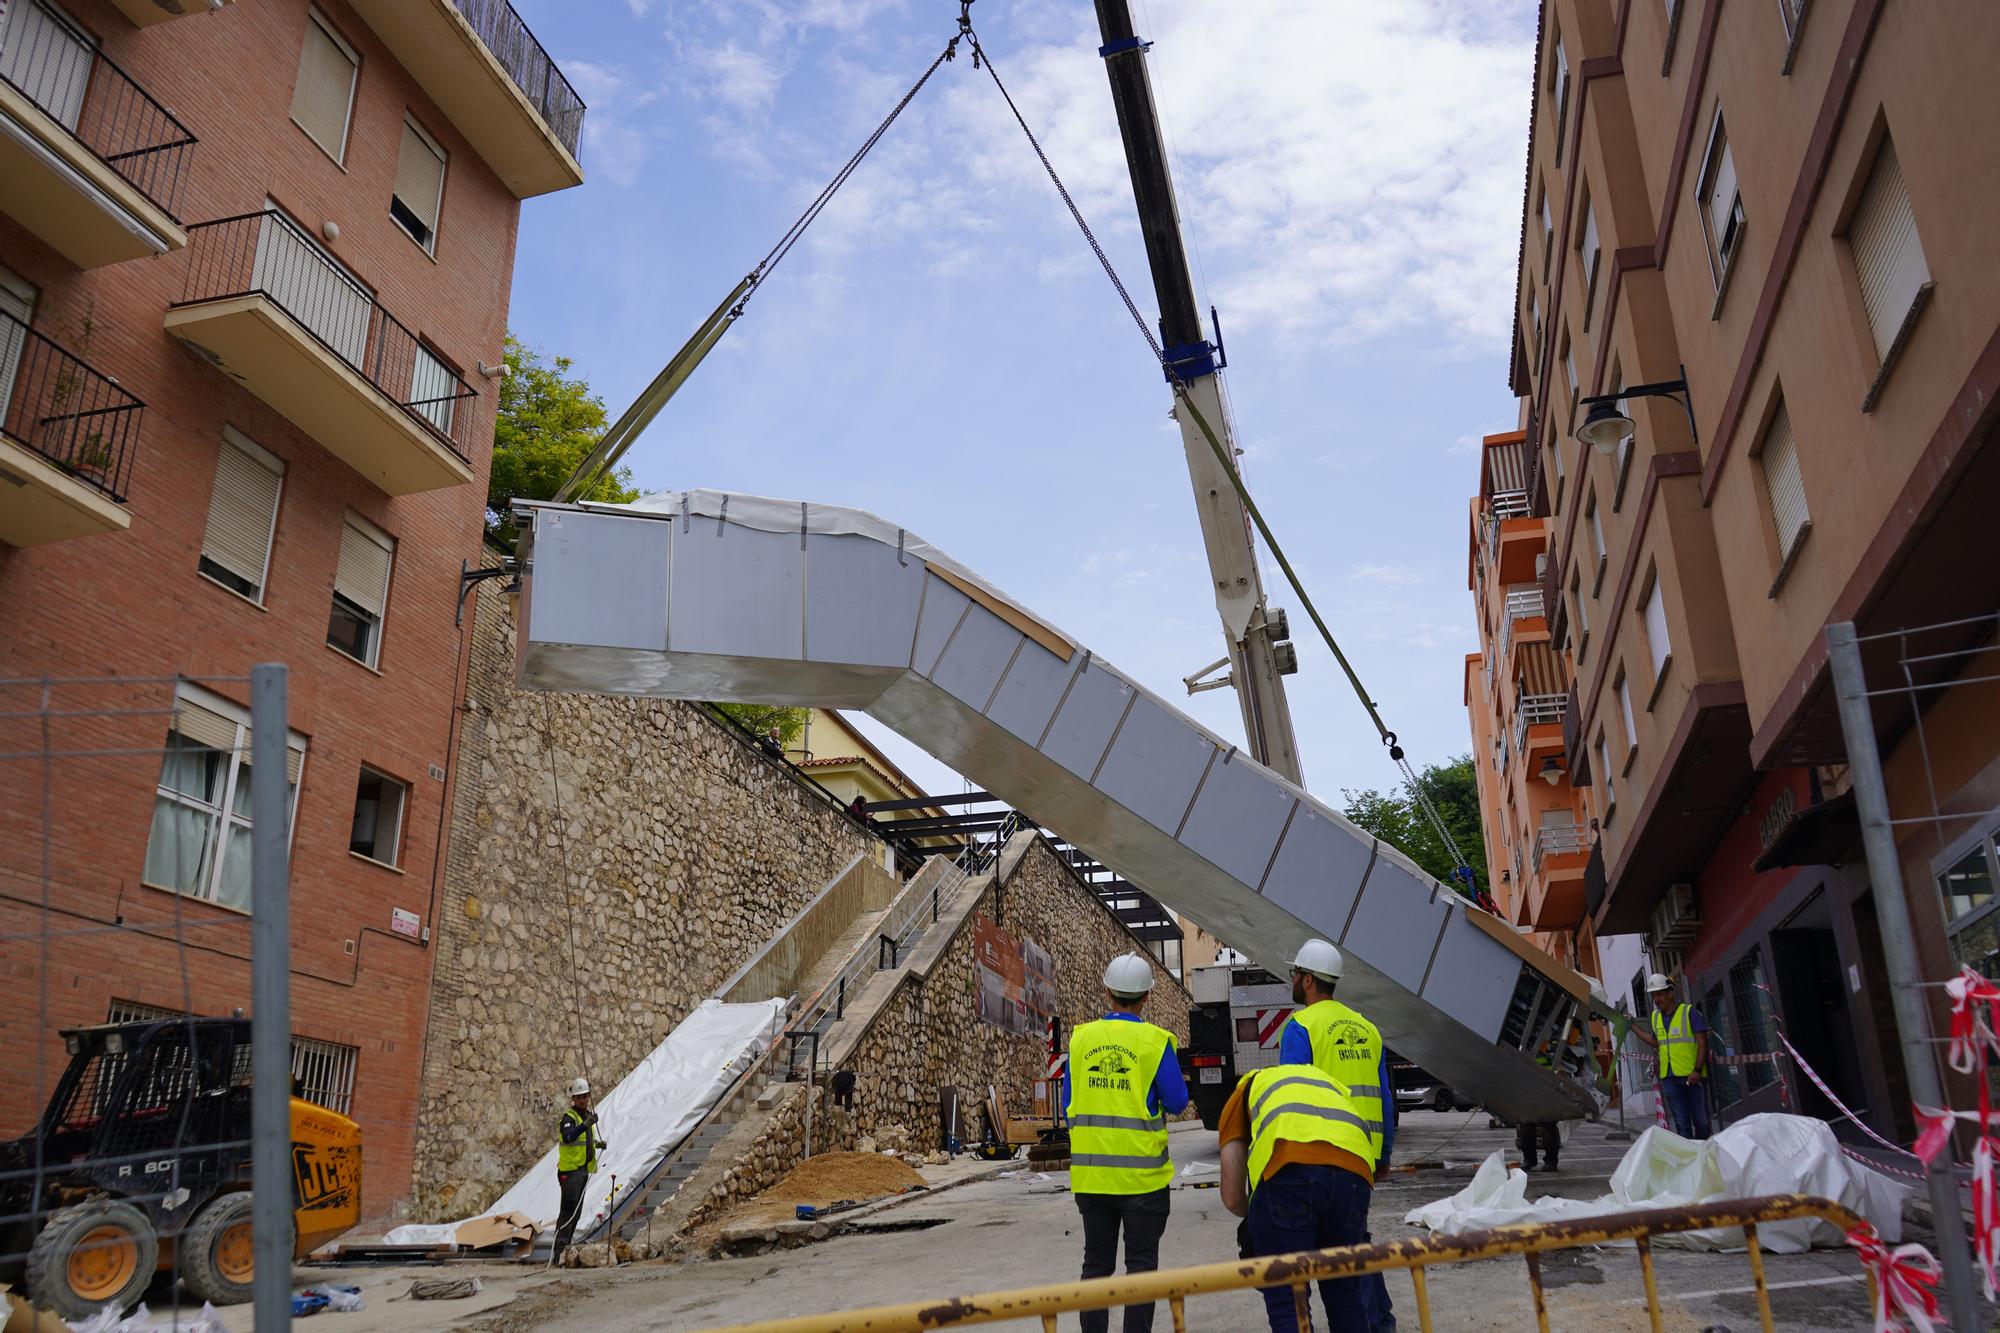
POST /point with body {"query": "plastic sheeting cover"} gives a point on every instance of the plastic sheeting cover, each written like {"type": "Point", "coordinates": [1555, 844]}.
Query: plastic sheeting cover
{"type": "Point", "coordinates": [1760, 1154]}
{"type": "Point", "coordinates": [653, 1108]}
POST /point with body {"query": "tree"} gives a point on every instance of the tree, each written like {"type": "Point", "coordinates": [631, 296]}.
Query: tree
{"type": "Point", "coordinates": [1395, 817]}
{"type": "Point", "coordinates": [760, 718]}
{"type": "Point", "coordinates": [549, 421]}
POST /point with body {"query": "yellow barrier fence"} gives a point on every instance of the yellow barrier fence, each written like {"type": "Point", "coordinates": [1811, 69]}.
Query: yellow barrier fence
{"type": "Point", "coordinates": [1299, 1271]}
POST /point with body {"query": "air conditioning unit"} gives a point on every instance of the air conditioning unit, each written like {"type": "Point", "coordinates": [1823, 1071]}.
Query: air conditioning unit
{"type": "Point", "coordinates": [1541, 565]}
{"type": "Point", "coordinates": [1676, 921]}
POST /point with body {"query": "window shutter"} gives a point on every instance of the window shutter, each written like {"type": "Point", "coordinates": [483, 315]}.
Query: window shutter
{"type": "Point", "coordinates": [1887, 253]}
{"type": "Point", "coordinates": [419, 175]}
{"type": "Point", "coordinates": [241, 509]}
{"type": "Point", "coordinates": [1722, 195]}
{"type": "Point", "coordinates": [204, 726]}
{"type": "Point", "coordinates": [1657, 643]}
{"type": "Point", "coordinates": [325, 90]}
{"type": "Point", "coordinates": [1782, 480]}
{"type": "Point", "coordinates": [1590, 252]}
{"type": "Point", "coordinates": [363, 574]}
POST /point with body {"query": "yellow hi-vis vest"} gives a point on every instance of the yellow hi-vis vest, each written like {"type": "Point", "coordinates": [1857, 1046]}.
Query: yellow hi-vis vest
{"type": "Point", "coordinates": [1117, 1145]}
{"type": "Point", "coordinates": [1347, 1049]}
{"type": "Point", "coordinates": [581, 1153]}
{"type": "Point", "coordinates": [1678, 1047]}
{"type": "Point", "coordinates": [1300, 1104]}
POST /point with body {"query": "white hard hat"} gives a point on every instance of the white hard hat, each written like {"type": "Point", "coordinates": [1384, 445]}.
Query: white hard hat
{"type": "Point", "coordinates": [579, 1087]}
{"type": "Point", "coordinates": [1319, 958]}
{"type": "Point", "coordinates": [1657, 983]}
{"type": "Point", "coordinates": [1128, 974]}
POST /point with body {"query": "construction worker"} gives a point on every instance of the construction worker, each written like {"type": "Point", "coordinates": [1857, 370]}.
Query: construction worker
{"type": "Point", "coordinates": [1347, 1048]}
{"type": "Point", "coordinates": [576, 1159]}
{"type": "Point", "coordinates": [1298, 1161]}
{"type": "Point", "coordinates": [1121, 1082]}
{"type": "Point", "coordinates": [1680, 1035]}
{"type": "Point", "coordinates": [1544, 1135]}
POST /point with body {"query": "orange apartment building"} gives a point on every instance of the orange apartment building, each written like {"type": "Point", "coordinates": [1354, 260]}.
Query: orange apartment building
{"type": "Point", "coordinates": [1786, 208]}
{"type": "Point", "coordinates": [254, 268]}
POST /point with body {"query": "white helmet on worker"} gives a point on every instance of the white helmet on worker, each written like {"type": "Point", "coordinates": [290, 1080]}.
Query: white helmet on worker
{"type": "Point", "coordinates": [1319, 958]}
{"type": "Point", "coordinates": [1128, 974]}
{"type": "Point", "coordinates": [1657, 983]}
{"type": "Point", "coordinates": [579, 1087]}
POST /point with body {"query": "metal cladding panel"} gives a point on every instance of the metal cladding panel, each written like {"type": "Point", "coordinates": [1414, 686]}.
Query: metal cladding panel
{"type": "Point", "coordinates": [861, 603]}
{"type": "Point", "coordinates": [1083, 725]}
{"type": "Point", "coordinates": [1472, 977]}
{"type": "Point", "coordinates": [944, 605]}
{"type": "Point", "coordinates": [976, 656]}
{"type": "Point", "coordinates": [1237, 818]}
{"type": "Point", "coordinates": [1156, 762]}
{"type": "Point", "coordinates": [1397, 924]}
{"type": "Point", "coordinates": [1031, 690]}
{"type": "Point", "coordinates": [737, 591]}
{"type": "Point", "coordinates": [567, 607]}
{"type": "Point", "coordinates": [1317, 872]}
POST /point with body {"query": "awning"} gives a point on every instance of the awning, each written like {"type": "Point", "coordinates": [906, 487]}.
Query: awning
{"type": "Point", "coordinates": [1819, 835]}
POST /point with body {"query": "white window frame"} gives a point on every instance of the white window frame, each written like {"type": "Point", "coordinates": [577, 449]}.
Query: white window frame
{"type": "Point", "coordinates": [429, 247]}
{"type": "Point", "coordinates": [1788, 544]}
{"type": "Point", "coordinates": [233, 438]}
{"type": "Point", "coordinates": [1590, 247]}
{"type": "Point", "coordinates": [369, 532]}
{"type": "Point", "coordinates": [1659, 643]}
{"type": "Point", "coordinates": [1889, 327]}
{"type": "Point", "coordinates": [1624, 689]}
{"type": "Point", "coordinates": [1722, 250]}
{"type": "Point", "coordinates": [1559, 88]}
{"type": "Point", "coordinates": [1610, 783]}
{"type": "Point", "coordinates": [1596, 541]}
{"type": "Point", "coordinates": [1577, 599]}
{"type": "Point", "coordinates": [395, 834]}
{"type": "Point", "coordinates": [1548, 231]}
{"type": "Point", "coordinates": [325, 25]}
{"type": "Point", "coordinates": [225, 824]}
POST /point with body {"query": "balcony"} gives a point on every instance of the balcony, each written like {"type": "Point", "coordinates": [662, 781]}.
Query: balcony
{"type": "Point", "coordinates": [145, 13]}
{"type": "Point", "coordinates": [274, 311]}
{"type": "Point", "coordinates": [486, 71]}
{"type": "Point", "coordinates": [1538, 710]}
{"type": "Point", "coordinates": [89, 162]}
{"type": "Point", "coordinates": [67, 439]}
{"type": "Point", "coordinates": [1555, 897]}
{"type": "Point", "coordinates": [1521, 604]}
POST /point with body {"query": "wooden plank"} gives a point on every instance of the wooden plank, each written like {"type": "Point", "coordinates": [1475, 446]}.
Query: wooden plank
{"type": "Point", "coordinates": [1010, 613]}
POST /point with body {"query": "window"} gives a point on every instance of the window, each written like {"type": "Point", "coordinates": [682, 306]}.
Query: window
{"type": "Point", "coordinates": [1596, 543]}
{"type": "Point", "coordinates": [17, 312]}
{"type": "Point", "coordinates": [1559, 90]}
{"type": "Point", "coordinates": [200, 840]}
{"type": "Point", "coordinates": [434, 390]}
{"type": "Point", "coordinates": [360, 590]}
{"type": "Point", "coordinates": [242, 516]}
{"type": "Point", "coordinates": [322, 1072]}
{"type": "Point", "coordinates": [1721, 204]}
{"type": "Point", "coordinates": [1604, 767]}
{"type": "Point", "coordinates": [48, 58]}
{"type": "Point", "coordinates": [1580, 613]}
{"type": "Point", "coordinates": [1625, 711]}
{"type": "Point", "coordinates": [1970, 920]}
{"type": "Point", "coordinates": [1621, 466]}
{"type": "Point", "coordinates": [323, 98]}
{"type": "Point", "coordinates": [1548, 231]}
{"type": "Point", "coordinates": [419, 189]}
{"type": "Point", "coordinates": [1750, 1007]}
{"type": "Point", "coordinates": [1780, 461]}
{"type": "Point", "coordinates": [378, 817]}
{"type": "Point", "coordinates": [1535, 321]}
{"type": "Point", "coordinates": [1569, 376]}
{"type": "Point", "coordinates": [1654, 612]}
{"type": "Point", "coordinates": [1588, 249]}
{"type": "Point", "coordinates": [1888, 256]}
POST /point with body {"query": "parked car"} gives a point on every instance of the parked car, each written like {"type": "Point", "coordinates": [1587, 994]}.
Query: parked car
{"type": "Point", "coordinates": [1418, 1090]}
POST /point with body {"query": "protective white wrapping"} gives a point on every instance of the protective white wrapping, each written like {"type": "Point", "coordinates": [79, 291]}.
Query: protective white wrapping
{"type": "Point", "coordinates": [1760, 1154]}
{"type": "Point", "coordinates": [652, 1109]}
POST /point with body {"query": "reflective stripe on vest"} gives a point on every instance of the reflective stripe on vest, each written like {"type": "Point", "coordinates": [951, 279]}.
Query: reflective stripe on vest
{"type": "Point", "coordinates": [1118, 1144]}
{"type": "Point", "coordinates": [1300, 1104]}
{"type": "Point", "coordinates": [1679, 1049]}
{"type": "Point", "coordinates": [1347, 1048]}
{"type": "Point", "coordinates": [580, 1153]}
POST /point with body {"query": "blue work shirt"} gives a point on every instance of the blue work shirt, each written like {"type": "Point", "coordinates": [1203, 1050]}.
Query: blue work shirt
{"type": "Point", "coordinates": [1295, 1047]}
{"type": "Point", "coordinates": [1169, 1091]}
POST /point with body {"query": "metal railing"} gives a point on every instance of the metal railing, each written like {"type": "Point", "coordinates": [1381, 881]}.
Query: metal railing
{"type": "Point", "coordinates": [54, 65]}
{"type": "Point", "coordinates": [1533, 710]}
{"type": "Point", "coordinates": [54, 404]}
{"type": "Point", "coordinates": [1299, 1271]}
{"type": "Point", "coordinates": [528, 65]}
{"type": "Point", "coordinates": [1508, 504]}
{"type": "Point", "coordinates": [267, 254]}
{"type": "Point", "coordinates": [1558, 840]}
{"type": "Point", "coordinates": [1521, 604]}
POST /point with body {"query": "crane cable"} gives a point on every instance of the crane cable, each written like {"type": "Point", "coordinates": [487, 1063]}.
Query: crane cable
{"type": "Point", "coordinates": [1463, 868]}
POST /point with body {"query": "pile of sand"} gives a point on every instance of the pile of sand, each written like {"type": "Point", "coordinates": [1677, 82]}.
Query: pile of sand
{"type": "Point", "coordinates": [836, 1177]}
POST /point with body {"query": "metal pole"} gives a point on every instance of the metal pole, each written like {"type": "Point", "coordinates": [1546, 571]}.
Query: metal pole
{"type": "Point", "coordinates": [270, 1001]}
{"type": "Point", "coordinates": [1899, 952]}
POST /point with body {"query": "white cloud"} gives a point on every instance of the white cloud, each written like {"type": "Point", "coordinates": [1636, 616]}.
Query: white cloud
{"type": "Point", "coordinates": [1385, 575]}
{"type": "Point", "coordinates": [741, 78]}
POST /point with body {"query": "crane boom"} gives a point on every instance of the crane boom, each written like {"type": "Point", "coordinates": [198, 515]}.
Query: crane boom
{"type": "Point", "coordinates": [1254, 668]}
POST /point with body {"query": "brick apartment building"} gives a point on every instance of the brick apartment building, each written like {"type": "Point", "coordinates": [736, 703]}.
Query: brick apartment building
{"type": "Point", "coordinates": [1789, 206]}
{"type": "Point", "coordinates": [254, 267]}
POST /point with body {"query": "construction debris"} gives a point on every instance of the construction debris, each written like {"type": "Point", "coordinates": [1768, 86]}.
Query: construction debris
{"type": "Point", "coordinates": [837, 1177]}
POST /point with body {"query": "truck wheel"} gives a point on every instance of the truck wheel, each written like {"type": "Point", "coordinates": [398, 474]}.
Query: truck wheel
{"type": "Point", "coordinates": [217, 1256]}
{"type": "Point", "coordinates": [91, 1255]}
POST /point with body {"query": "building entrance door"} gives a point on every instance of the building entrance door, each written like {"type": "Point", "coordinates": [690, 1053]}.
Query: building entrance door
{"type": "Point", "coordinates": [1813, 996]}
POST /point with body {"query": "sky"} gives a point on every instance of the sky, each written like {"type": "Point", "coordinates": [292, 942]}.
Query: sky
{"type": "Point", "coordinates": [943, 350]}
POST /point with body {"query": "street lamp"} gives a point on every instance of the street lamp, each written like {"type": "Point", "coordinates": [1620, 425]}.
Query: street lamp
{"type": "Point", "coordinates": [1606, 426]}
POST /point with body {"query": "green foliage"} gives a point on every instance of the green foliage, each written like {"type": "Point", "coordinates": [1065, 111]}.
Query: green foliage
{"type": "Point", "coordinates": [1395, 817]}
{"type": "Point", "coordinates": [549, 420]}
{"type": "Point", "coordinates": [760, 718]}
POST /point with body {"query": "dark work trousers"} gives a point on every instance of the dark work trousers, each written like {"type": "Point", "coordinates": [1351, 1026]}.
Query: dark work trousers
{"type": "Point", "coordinates": [1687, 1105]}
{"type": "Point", "coordinates": [1545, 1138]}
{"type": "Point", "coordinates": [572, 1183]}
{"type": "Point", "coordinates": [1144, 1217]}
{"type": "Point", "coordinates": [1310, 1207]}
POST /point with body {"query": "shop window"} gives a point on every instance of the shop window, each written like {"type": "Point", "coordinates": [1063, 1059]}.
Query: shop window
{"type": "Point", "coordinates": [1750, 1007]}
{"type": "Point", "coordinates": [1970, 919]}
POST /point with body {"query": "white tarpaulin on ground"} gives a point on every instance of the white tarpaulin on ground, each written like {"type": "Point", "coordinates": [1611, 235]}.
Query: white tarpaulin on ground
{"type": "Point", "coordinates": [653, 1108]}
{"type": "Point", "coordinates": [1760, 1154]}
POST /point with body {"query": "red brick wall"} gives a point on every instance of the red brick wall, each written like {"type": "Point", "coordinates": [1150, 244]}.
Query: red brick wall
{"type": "Point", "coordinates": [132, 604]}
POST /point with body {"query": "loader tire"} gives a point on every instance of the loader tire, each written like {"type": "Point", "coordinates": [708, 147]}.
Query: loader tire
{"type": "Point", "coordinates": [90, 1255]}
{"type": "Point", "coordinates": [217, 1255]}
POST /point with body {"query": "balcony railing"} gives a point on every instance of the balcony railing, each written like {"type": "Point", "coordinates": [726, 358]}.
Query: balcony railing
{"type": "Point", "coordinates": [1532, 710]}
{"type": "Point", "coordinates": [1558, 840]}
{"type": "Point", "coordinates": [1522, 604]}
{"type": "Point", "coordinates": [55, 66]}
{"type": "Point", "coordinates": [54, 404]}
{"type": "Point", "coordinates": [1509, 504]}
{"type": "Point", "coordinates": [267, 254]}
{"type": "Point", "coordinates": [528, 65]}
